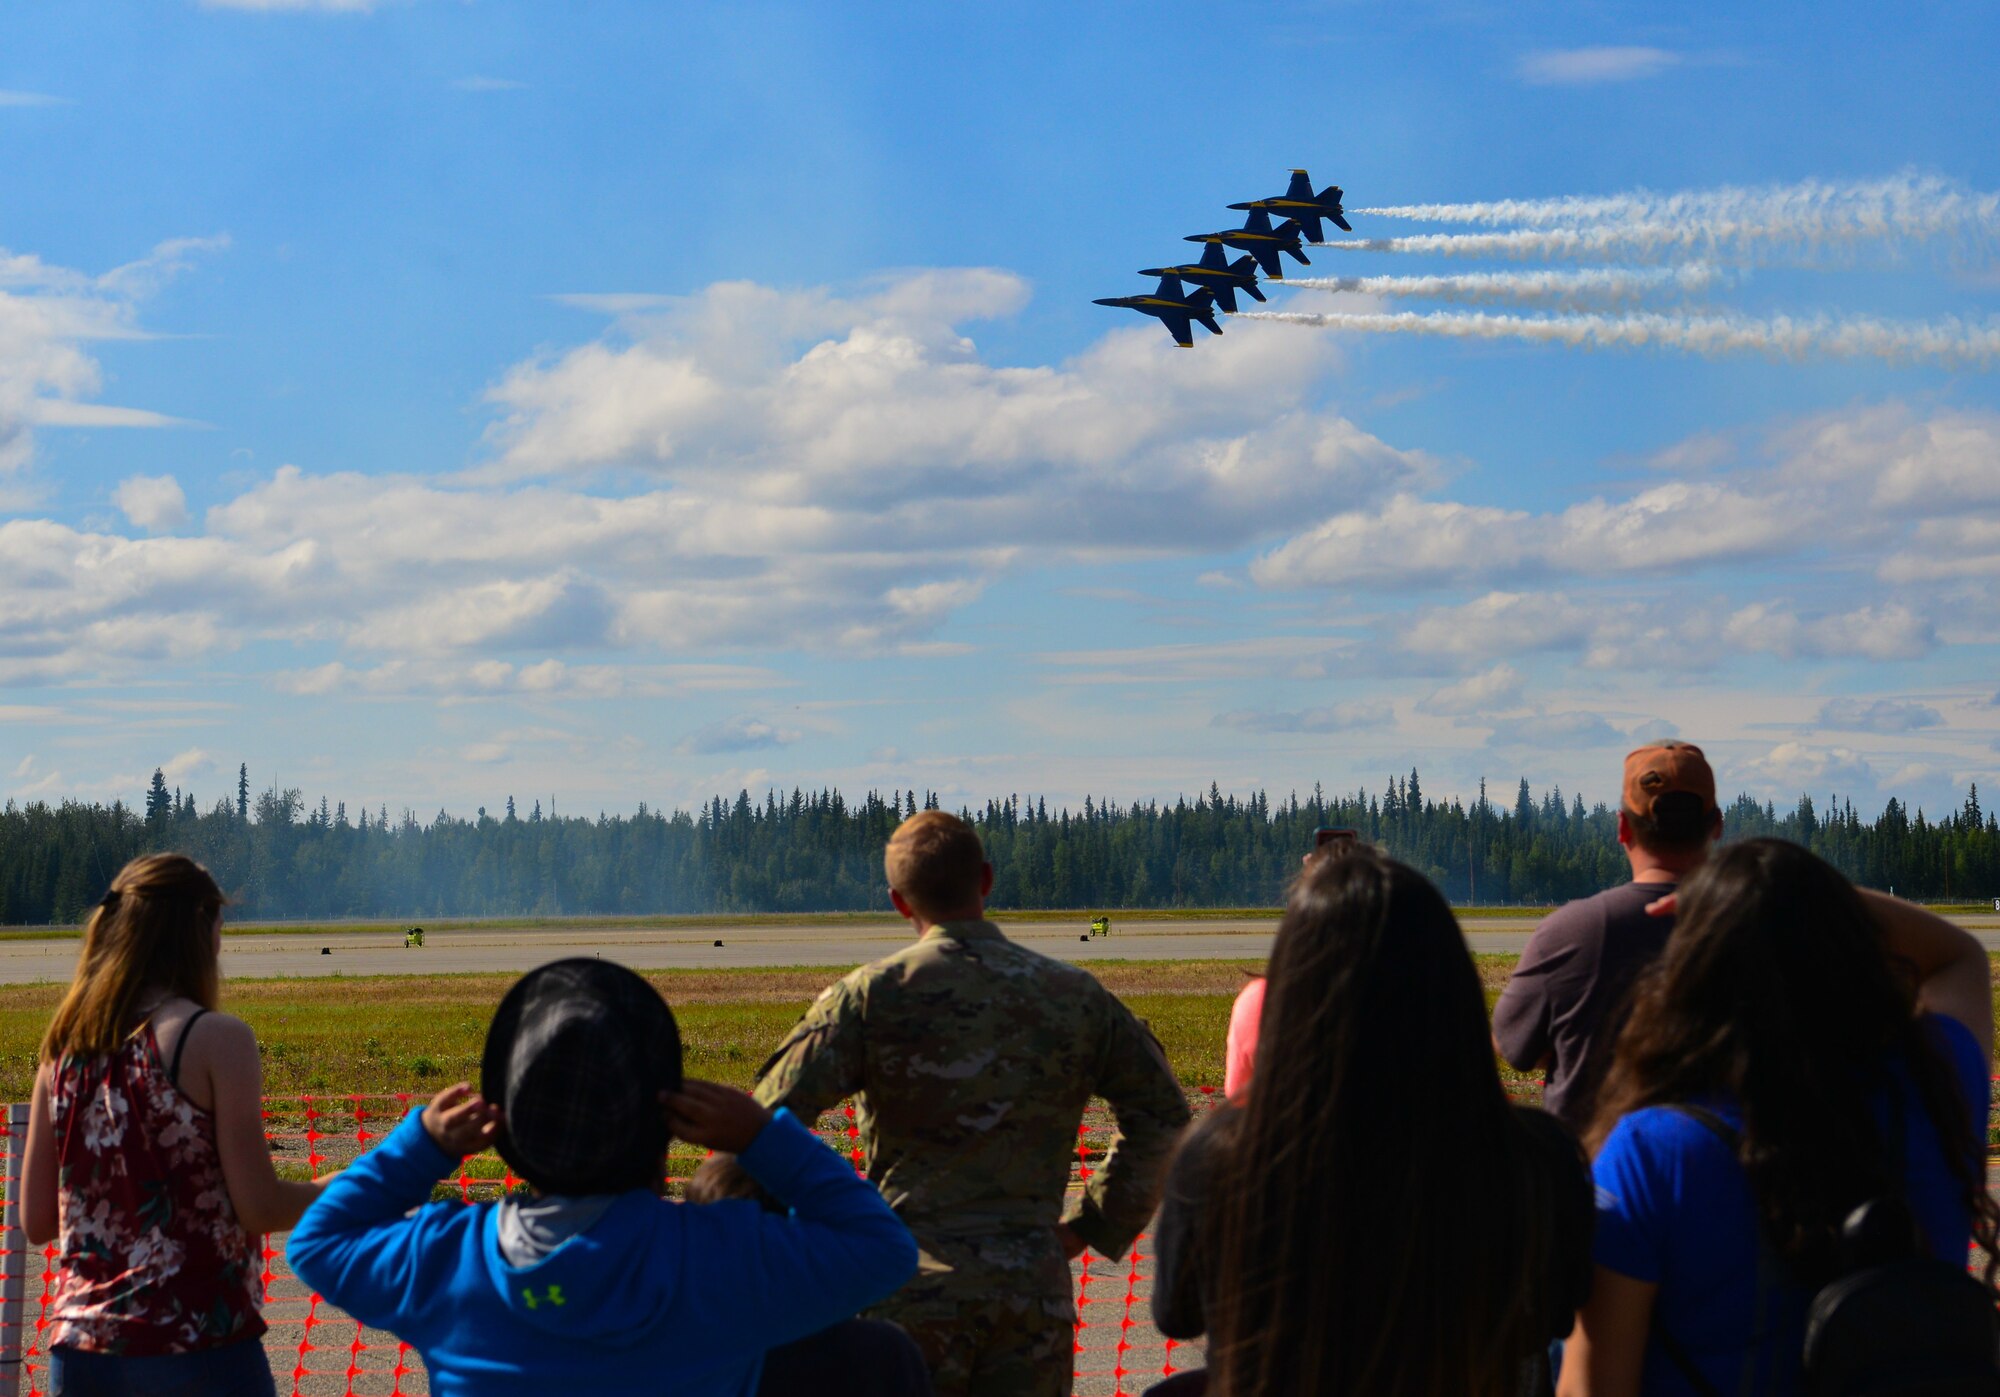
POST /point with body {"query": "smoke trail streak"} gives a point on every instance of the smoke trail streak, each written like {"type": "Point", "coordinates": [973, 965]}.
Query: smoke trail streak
{"type": "Point", "coordinates": [1564, 290]}
{"type": "Point", "coordinates": [1908, 205]}
{"type": "Point", "coordinates": [1949, 341]}
{"type": "Point", "coordinates": [1728, 242]}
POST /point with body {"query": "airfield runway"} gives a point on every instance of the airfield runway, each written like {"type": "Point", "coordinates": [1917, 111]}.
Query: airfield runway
{"type": "Point", "coordinates": [256, 955]}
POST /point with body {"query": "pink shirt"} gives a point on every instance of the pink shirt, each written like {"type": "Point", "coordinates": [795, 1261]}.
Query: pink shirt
{"type": "Point", "coordinates": [1240, 1053]}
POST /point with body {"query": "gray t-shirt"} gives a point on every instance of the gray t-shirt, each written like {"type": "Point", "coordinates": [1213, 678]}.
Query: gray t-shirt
{"type": "Point", "coordinates": [1566, 999]}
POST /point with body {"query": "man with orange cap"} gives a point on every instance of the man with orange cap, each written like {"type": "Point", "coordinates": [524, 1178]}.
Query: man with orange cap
{"type": "Point", "coordinates": [1561, 1010]}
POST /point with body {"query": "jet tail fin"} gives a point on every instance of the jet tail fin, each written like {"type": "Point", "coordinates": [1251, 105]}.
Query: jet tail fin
{"type": "Point", "coordinates": [1345, 226]}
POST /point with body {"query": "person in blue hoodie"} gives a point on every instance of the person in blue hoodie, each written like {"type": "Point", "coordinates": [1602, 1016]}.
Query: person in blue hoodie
{"type": "Point", "coordinates": [593, 1280]}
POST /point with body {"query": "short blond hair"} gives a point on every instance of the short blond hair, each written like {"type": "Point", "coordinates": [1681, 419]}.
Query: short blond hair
{"type": "Point", "coordinates": [935, 860]}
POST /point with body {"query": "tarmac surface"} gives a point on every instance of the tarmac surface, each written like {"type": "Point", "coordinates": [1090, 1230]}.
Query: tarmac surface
{"type": "Point", "coordinates": [682, 946]}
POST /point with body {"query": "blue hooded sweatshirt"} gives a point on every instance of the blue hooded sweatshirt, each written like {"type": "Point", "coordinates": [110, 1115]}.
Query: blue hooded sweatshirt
{"type": "Point", "coordinates": [652, 1297]}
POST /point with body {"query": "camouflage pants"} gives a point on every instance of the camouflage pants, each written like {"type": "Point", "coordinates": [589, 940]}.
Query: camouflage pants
{"type": "Point", "coordinates": [989, 1331]}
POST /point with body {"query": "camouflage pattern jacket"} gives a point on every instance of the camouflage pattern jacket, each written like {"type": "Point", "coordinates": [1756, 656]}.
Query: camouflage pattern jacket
{"type": "Point", "coordinates": [972, 1058]}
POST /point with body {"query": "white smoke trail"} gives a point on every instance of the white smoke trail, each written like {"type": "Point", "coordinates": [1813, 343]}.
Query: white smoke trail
{"type": "Point", "coordinates": [1566, 290]}
{"type": "Point", "coordinates": [1949, 341]}
{"type": "Point", "coordinates": [1730, 242]}
{"type": "Point", "coordinates": [1907, 205]}
{"type": "Point", "coordinates": [1768, 222]}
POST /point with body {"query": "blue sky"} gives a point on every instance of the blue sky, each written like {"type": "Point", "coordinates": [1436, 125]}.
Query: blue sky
{"type": "Point", "coordinates": [427, 402]}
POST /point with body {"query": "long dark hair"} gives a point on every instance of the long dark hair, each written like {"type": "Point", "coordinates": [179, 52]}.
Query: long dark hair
{"type": "Point", "coordinates": [1775, 990]}
{"type": "Point", "coordinates": [1380, 1225]}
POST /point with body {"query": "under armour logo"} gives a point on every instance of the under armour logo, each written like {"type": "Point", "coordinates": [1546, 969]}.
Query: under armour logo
{"type": "Point", "coordinates": [551, 1296]}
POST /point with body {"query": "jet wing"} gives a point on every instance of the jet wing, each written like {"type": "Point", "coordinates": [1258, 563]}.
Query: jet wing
{"type": "Point", "coordinates": [1178, 326]}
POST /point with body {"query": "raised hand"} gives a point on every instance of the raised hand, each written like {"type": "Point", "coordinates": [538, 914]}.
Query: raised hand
{"type": "Point", "coordinates": [460, 1121]}
{"type": "Point", "coordinates": [714, 1116]}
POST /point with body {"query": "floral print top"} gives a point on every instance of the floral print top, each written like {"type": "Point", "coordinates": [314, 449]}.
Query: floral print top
{"type": "Point", "coordinates": [152, 1259]}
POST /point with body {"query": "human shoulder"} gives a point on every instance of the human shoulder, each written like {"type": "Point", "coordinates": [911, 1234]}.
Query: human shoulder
{"type": "Point", "coordinates": [1955, 1043]}
{"type": "Point", "coordinates": [1656, 1138]}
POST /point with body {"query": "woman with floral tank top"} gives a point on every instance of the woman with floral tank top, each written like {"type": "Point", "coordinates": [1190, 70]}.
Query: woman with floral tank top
{"type": "Point", "coordinates": [146, 1154]}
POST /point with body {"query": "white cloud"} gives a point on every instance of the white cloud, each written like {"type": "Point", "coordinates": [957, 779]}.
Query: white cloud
{"type": "Point", "coordinates": [16, 98]}
{"type": "Point", "coordinates": [1564, 731]}
{"type": "Point", "coordinates": [1239, 661]}
{"type": "Point", "coordinates": [33, 779]}
{"type": "Point", "coordinates": [1662, 633]}
{"type": "Point", "coordinates": [833, 472]}
{"type": "Point", "coordinates": [154, 503]}
{"type": "Point", "coordinates": [739, 734]}
{"type": "Point", "coordinates": [1340, 717]}
{"type": "Point", "coordinates": [1877, 715]}
{"type": "Point", "coordinates": [1878, 489]}
{"type": "Point", "coordinates": [1587, 66]}
{"type": "Point", "coordinates": [49, 315]}
{"type": "Point", "coordinates": [1490, 689]}
{"type": "Point", "coordinates": [184, 765]}
{"type": "Point", "coordinates": [1795, 766]}
{"type": "Point", "coordinates": [1500, 624]}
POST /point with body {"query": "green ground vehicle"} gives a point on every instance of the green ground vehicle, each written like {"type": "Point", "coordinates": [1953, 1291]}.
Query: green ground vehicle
{"type": "Point", "coordinates": [1100, 926]}
{"type": "Point", "coordinates": [414, 936]}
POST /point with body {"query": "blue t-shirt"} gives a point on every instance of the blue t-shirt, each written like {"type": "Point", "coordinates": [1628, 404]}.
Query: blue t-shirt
{"type": "Point", "coordinates": [1674, 1208]}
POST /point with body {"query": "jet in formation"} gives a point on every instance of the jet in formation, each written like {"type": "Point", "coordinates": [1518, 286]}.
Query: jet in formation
{"type": "Point", "coordinates": [1218, 274]}
{"type": "Point", "coordinates": [1174, 307]}
{"type": "Point", "coordinates": [1263, 242]}
{"type": "Point", "coordinates": [1217, 279]}
{"type": "Point", "coordinates": [1300, 203]}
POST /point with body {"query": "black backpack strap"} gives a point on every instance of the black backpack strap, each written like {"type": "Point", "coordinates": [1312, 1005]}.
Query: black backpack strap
{"type": "Point", "coordinates": [180, 1046]}
{"type": "Point", "coordinates": [1678, 1356]}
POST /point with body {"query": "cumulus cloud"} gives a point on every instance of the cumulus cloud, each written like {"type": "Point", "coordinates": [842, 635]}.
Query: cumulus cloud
{"type": "Point", "coordinates": [1877, 715]}
{"type": "Point", "coordinates": [739, 734]}
{"type": "Point", "coordinates": [1490, 689]}
{"type": "Point", "coordinates": [1797, 766]}
{"type": "Point", "coordinates": [1590, 66]}
{"type": "Point", "coordinates": [1340, 717]}
{"type": "Point", "coordinates": [154, 503]}
{"type": "Point", "coordinates": [1878, 487]}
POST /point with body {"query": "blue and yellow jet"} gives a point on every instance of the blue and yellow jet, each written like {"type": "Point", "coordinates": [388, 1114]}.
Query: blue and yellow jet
{"type": "Point", "coordinates": [1173, 307]}
{"type": "Point", "coordinates": [1299, 202]}
{"type": "Point", "coordinates": [1218, 274]}
{"type": "Point", "coordinates": [1263, 242]}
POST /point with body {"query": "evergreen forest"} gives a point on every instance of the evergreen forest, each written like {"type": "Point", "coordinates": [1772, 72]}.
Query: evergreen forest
{"type": "Point", "coordinates": [279, 857]}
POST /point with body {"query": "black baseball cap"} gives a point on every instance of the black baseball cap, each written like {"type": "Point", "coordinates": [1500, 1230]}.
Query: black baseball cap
{"type": "Point", "coordinates": [577, 1055]}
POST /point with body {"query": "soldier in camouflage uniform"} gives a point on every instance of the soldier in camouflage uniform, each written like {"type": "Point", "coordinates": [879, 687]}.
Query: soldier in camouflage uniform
{"type": "Point", "coordinates": [972, 1058]}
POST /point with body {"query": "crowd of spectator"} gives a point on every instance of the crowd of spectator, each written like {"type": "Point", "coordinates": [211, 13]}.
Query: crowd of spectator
{"type": "Point", "coordinates": [1760, 1166]}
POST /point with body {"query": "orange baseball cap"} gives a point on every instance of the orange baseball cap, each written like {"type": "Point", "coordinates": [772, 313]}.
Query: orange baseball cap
{"type": "Point", "coordinates": [1663, 768]}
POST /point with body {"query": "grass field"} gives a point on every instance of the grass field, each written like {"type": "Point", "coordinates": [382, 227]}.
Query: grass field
{"type": "Point", "coordinates": [416, 1033]}
{"type": "Point", "coordinates": [1030, 916]}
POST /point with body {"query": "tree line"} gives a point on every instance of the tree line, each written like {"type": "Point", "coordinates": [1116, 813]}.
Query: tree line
{"type": "Point", "coordinates": [280, 857]}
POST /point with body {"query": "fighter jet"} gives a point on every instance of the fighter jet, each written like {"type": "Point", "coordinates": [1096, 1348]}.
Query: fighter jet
{"type": "Point", "coordinates": [1218, 274]}
{"type": "Point", "coordinates": [1263, 242]}
{"type": "Point", "coordinates": [1174, 307]}
{"type": "Point", "coordinates": [1298, 201]}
